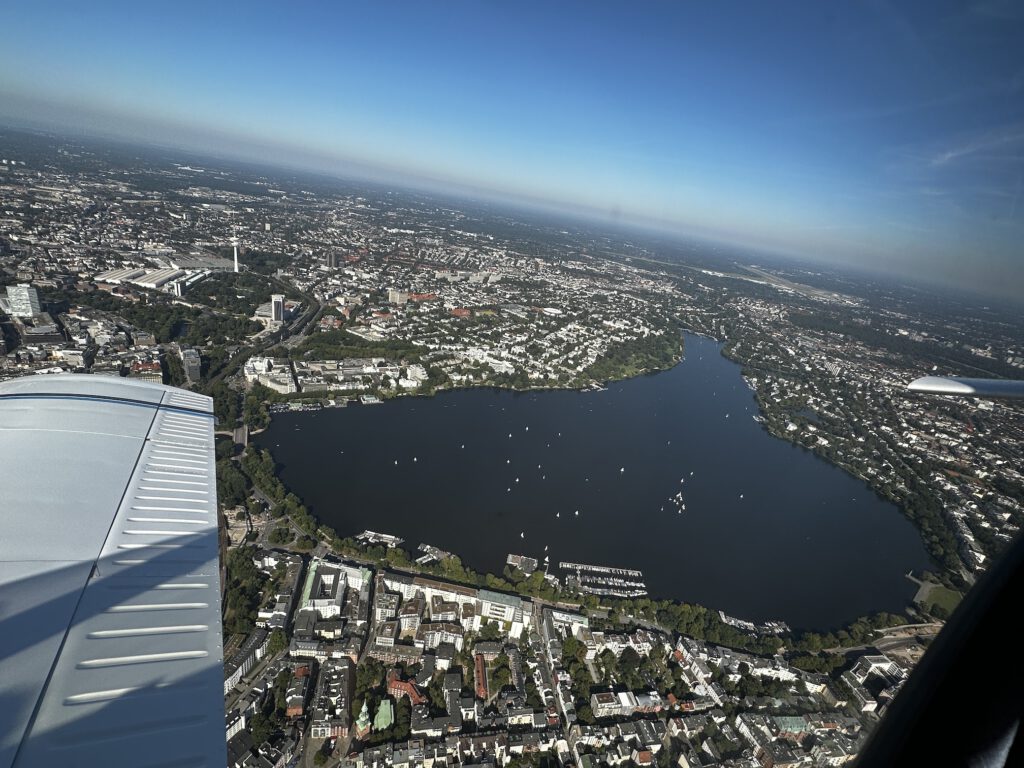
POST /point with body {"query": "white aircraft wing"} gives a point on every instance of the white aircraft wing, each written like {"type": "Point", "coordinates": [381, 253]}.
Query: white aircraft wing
{"type": "Point", "coordinates": [955, 385]}
{"type": "Point", "coordinates": [110, 630]}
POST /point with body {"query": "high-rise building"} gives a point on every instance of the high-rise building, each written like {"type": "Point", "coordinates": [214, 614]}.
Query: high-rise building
{"type": "Point", "coordinates": [193, 364]}
{"type": "Point", "coordinates": [332, 259]}
{"type": "Point", "coordinates": [23, 300]}
{"type": "Point", "coordinates": [395, 296]}
{"type": "Point", "coordinates": [277, 308]}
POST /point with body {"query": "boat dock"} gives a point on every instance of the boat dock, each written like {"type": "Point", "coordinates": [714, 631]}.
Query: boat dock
{"type": "Point", "coordinates": [431, 554]}
{"type": "Point", "coordinates": [764, 628]}
{"type": "Point", "coordinates": [609, 592]}
{"type": "Point", "coordinates": [372, 537]}
{"type": "Point", "coordinates": [611, 581]}
{"type": "Point", "coordinates": [600, 569]}
{"type": "Point", "coordinates": [604, 580]}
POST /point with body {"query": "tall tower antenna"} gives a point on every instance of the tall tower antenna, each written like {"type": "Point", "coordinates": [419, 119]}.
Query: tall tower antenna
{"type": "Point", "coordinates": [234, 243]}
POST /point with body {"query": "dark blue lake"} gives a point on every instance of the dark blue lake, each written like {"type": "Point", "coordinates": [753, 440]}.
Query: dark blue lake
{"type": "Point", "coordinates": [770, 531]}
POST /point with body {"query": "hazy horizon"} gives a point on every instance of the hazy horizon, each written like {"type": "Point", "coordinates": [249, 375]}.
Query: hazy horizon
{"type": "Point", "coordinates": [873, 138]}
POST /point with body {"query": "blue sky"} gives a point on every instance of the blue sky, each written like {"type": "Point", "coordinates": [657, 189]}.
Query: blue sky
{"type": "Point", "coordinates": [876, 134]}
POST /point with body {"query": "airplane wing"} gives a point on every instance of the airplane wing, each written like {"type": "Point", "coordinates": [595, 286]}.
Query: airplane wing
{"type": "Point", "coordinates": [110, 629]}
{"type": "Point", "coordinates": [955, 385]}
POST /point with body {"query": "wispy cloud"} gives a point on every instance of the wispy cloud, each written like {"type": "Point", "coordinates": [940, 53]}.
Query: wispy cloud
{"type": "Point", "coordinates": [974, 178]}
{"type": "Point", "coordinates": [939, 103]}
{"type": "Point", "coordinates": [987, 158]}
{"type": "Point", "coordinates": [982, 144]}
{"type": "Point", "coordinates": [976, 190]}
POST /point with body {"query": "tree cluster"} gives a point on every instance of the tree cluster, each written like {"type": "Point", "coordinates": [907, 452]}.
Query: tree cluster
{"type": "Point", "coordinates": [242, 596]}
{"type": "Point", "coordinates": [653, 352]}
{"type": "Point", "coordinates": [258, 464]}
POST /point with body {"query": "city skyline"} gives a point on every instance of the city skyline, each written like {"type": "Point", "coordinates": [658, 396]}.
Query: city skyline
{"type": "Point", "coordinates": [878, 138]}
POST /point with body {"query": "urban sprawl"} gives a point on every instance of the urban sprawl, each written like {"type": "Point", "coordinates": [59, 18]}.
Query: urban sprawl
{"type": "Point", "coordinates": [276, 292]}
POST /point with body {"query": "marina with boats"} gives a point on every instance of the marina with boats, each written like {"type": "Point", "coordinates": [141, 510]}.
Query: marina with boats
{"type": "Point", "coordinates": [604, 580]}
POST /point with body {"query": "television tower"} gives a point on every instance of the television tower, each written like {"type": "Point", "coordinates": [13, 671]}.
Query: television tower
{"type": "Point", "coordinates": [234, 243]}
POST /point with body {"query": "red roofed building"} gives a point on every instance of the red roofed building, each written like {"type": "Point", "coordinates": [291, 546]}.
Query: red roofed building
{"type": "Point", "coordinates": [461, 312]}
{"type": "Point", "coordinates": [399, 688]}
{"type": "Point", "coordinates": [422, 296]}
{"type": "Point", "coordinates": [148, 372]}
{"type": "Point", "coordinates": [481, 677]}
{"type": "Point", "coordinates": [643, 757]}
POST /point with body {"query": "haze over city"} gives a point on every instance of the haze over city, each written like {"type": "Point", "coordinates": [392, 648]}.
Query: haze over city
{"type": "Point", "coordinates": [535, 385]}
{"type": "Point", "coordinates": [879, 137]}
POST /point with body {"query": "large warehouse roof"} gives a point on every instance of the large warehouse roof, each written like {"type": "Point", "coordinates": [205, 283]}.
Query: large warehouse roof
{"type": "Point", "coordinates": [110, 638]}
